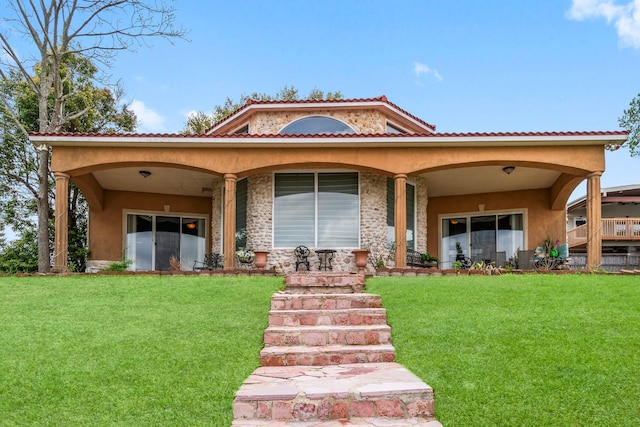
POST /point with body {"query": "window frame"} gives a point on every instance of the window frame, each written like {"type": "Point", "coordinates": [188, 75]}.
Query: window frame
{"type": "Point", "coordinates": [317, 116]}
{"type": "Point", "coordinates": [396, 129]}
{"type": "Point", "coordinates": [315, 173]}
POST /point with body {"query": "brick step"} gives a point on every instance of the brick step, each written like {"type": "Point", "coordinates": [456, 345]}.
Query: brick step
{"type": "Point", "coordinates": [327, 335]}
{"type": "Point", "coordinates": [338, 317]}
{"type": "Point", "coordinates": [321, 289]}
{"type": "Point", "coordinates": [324, 282]}
{"type": "Point", "coordinates": [326, 355]}
{"type": "Point", "coordinates": [361, 392]}
{"type": "Point", "coordinates": [333, 301]}
{"type": "Point", "coordinates": [353, 422]}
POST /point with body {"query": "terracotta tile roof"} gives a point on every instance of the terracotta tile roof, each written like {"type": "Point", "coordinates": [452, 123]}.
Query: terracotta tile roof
{"type": "Point", "coordinates": [535, 134]}
{"type": "Point", "coordinates": [354, 136]}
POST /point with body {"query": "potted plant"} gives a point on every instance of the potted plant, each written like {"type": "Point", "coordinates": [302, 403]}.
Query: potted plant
{"type": "Point", "coordinates": [551, 247]}
{"type": "Point", "coordinates": [361, 258]}
{"type": "Point", "coordinates": [429, 260]}
{"type": "Point", "coordinates": [245, 256]}
{"type": "Point", "coordinates": [261, 258]}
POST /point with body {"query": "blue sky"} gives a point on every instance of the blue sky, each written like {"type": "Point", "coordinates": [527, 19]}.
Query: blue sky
{"type": "Point", "coordinates": [464, 65]}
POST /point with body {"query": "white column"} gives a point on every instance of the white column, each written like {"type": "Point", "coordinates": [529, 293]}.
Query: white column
{"type": "Point", "coordinates": [61, 238]}
{"type": "Point", "coordinates": [229, 227]}
{"type": "Point", "coordinates": [594, 222]}
{"type": "Point", "coordinates": [400, 219]}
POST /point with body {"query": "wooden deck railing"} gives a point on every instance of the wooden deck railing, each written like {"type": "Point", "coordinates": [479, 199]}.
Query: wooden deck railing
{"type": "Point", "coordinates": [612, 229]}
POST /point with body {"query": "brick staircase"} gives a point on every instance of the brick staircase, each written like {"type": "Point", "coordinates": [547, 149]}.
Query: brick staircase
{"type": "Point", "coordinates": [328, 361]}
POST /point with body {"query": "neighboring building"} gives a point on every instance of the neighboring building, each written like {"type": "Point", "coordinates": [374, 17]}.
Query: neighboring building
{"type": "Point", "coordinates": [619, 224]}
{"type": "Point", "coordinates": [338, 174]}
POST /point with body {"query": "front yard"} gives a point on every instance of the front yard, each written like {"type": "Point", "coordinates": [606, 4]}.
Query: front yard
{"type": "Point", "coordinates": [161, 350]}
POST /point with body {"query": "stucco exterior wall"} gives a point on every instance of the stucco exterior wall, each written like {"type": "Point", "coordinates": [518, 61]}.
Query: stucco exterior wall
{"type": "Point", "coordinates": [106, 228]}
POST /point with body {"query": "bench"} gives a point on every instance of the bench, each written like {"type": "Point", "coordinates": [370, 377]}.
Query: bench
{"type": "Point", "coordinates": [211, 261]}
{"type": "Point", "coordinates": [414, 259]}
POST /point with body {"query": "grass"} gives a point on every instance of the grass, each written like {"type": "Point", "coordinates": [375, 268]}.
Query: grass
{"type": "Point", "coordinates": [128, 350]}
{"type": "Point", "coordinates": [521, 350]}
{"type": "Point", "coordinates": [161, 350]}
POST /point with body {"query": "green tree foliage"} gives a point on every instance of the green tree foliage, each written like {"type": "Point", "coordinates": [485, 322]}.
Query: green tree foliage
{"type": "Point", "coordinates": [198, 123]}
{"type": "Point", "coordinates": [21, 256]}
{"type": "Point", "coordinates": [630, 121]}
{"type": "Point", "coordinates": [48, 32]}
{"type": "Point", "coordinates": [102, 111]}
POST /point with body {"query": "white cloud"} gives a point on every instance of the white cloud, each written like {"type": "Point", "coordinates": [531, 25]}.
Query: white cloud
{"type": "Point", "coordinates": [625, 17]}
{"type": "Point", "coordinates": [421, 69]}
{"type": "Point", "coordinates": [149, 120]}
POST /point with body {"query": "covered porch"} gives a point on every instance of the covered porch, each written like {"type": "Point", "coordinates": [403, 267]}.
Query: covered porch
{"type": "Point", "coordinates": [196, 180]}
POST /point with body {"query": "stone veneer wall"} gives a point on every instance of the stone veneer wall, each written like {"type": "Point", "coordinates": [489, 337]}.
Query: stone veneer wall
{"type": "Point", "coordinates": [260, 211]}
{"type": "Point", "coordinates": [362, 121]}
{"type": "Point", "coordinates": [373, 218]}
{"type": "Point", "coordinates": [216, 217]}
{"type": "Point", "coordinates": [421, 215]}
{"type": "Point", "coordinates": [373, 213]}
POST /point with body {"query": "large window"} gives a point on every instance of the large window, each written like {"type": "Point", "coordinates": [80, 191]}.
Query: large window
{"type": "Point", "coordinates": [315, 125]}
{"type": "Point", "coordinates": [316, 210]}
{"type": "Point", "coordinates": [411, 213]}
{"type": "Point", "coordinates": [479, 236]}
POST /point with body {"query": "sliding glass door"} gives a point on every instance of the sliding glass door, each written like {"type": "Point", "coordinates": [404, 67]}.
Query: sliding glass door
{"type": "Point", "coordinates": [483, 237]}
{"type": "Point", "coordinates": [479, 237]}
{"type": "Point", "coordinates": [152, 240]}
{"type": "Point", "coordinates": [140, 242]}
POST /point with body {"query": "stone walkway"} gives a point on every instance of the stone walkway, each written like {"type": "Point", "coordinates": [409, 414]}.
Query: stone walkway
{"type": "Point", "coordinates": [328, 361]}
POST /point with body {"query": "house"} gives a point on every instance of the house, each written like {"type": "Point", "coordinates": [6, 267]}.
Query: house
{"type": "Point", "coordinates": [332, 174]}
{"type": "Point", "coordinates": [620, 225]}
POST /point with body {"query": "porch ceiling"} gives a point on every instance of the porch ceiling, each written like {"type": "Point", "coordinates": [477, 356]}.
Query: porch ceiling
{"type": "Point", "coordinates": [451, 182]}
{"type": "Point", "coordinates": [162, 180]}
{"type": "Point", "coordinates": [487, 179]}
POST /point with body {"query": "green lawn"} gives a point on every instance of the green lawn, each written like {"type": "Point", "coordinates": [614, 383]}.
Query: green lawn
{"type": "Point", "coordinates": [128, 350]}
{"type": "Point", "coordinates": [159, 350]}
{"type": "Point", "coordinates": [534, 350]}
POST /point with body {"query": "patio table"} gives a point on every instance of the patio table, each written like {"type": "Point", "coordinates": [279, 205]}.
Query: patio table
{"type": "Point", "coordinates": [325, 256]}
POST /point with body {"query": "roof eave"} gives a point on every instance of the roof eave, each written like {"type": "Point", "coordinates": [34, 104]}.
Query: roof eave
{"type": "Point", "coordinates": [225, 141]}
